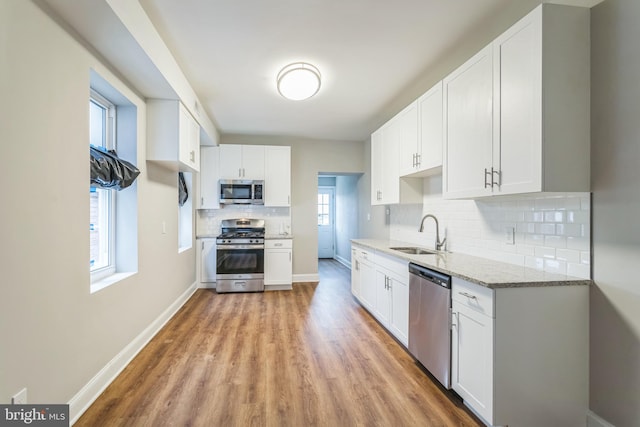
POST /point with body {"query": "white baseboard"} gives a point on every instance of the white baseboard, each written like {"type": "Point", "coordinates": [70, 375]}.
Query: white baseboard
{"type": "Point", "coordinates": [90, 392]}
{"type": "Point", "coordinates": [343, 261]}
{"type": "Point", "coordinates": [304, 278]}
{"type": "Point", "coordinates": [278, 287]}
{"type": "Point", "coordinates": [594, 420]}
{"type": "Point", "coordinates": [208, 285]}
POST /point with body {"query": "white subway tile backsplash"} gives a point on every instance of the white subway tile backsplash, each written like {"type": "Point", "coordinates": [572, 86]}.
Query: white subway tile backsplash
{"type": "Point", "coordinates": [555, 266]}
{"type": "Point", "coordinates": [554, 216]}
{"type": "Point", "coordinates": [585, 257]}
{"type": "Point", "coordinates": [568, 255]}
{"type": "Point", "coordinates": [555, 241]}
{"type": "Point", "coordinates": [533, 262]}
{"type": "Point", "coordinates": [578, 243]}
{"type": "Point", "coordinates": [551, 230]}
{"type": "Point", "coordinates": [545, 228]}
{"type": "Point", "coordinates": [534, 216]}
{"type": "Point", "coordinates": [544, 252]}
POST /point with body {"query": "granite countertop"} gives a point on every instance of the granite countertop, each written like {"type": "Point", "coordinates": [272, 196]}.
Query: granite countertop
{"type": "Point", "coordinates": [278, 236]}
{"type": "Point", "coordinates": [484, 272]}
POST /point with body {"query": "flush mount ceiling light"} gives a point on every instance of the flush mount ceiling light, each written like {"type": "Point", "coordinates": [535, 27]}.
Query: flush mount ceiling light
{"type": "Point", "coordinates": [298, 81]}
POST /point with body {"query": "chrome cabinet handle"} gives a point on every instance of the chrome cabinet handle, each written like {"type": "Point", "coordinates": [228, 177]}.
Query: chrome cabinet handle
{"type": "Point", "coordinates": [464, 294]}
{"type": "Point", "coordinates": [497, 184]}
{"type": "Point", "coordinates": [277, 244]}
{"type": "Point", "coordinates": [486, 172]}
{"type": "Point", "coordinates": [418, 159]}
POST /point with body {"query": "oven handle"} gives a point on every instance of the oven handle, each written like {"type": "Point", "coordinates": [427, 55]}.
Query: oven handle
{"type": "Point", "coordinates": [240, 247]}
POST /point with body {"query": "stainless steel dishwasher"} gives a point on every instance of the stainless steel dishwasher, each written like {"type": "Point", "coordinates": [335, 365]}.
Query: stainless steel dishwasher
{"type": "Point", "coordinates": [429, 321]}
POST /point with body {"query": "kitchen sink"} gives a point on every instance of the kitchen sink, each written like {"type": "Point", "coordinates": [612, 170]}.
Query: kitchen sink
{"type": "Point", "coordinates": [414, 251]}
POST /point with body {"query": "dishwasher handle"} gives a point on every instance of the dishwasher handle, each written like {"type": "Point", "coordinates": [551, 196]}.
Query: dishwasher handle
{"type": "Point", "coordinates": [430, 275]}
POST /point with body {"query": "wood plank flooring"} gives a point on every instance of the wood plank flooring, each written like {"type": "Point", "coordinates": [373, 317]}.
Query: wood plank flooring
{"type": "Point", "coordinates": [307, 357]}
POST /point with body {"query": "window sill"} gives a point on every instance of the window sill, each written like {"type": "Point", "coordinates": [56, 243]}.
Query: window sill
{"type": "Point", "coordinates": [109, 280]}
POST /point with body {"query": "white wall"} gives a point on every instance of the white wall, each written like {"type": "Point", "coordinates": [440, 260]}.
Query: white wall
{"type": "Point", "coordinates": [56, 335]}
{"type": "Point", "coordinates": [615, 156]}
{"type": "Point", "coordinates": [308, 158]}
{"type": "Point", "coordinates": [346, 215]}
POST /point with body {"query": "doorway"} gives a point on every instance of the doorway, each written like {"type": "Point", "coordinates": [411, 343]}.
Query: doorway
{"type": "Point", "coordinates": [326, 221]}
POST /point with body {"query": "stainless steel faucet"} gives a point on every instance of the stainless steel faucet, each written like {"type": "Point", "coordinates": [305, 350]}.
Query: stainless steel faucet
{"type": "Point", "coordinates": [439, 244]}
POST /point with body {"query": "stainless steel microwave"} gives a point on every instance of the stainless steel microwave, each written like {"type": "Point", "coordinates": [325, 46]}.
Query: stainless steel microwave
{"type": "Point", "coordinates": [241, 192]}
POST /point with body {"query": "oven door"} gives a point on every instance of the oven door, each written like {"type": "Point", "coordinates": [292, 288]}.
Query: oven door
{"type": "Point", "coordinates": [239, 261]}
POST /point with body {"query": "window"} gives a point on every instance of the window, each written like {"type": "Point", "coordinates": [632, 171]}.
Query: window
{"type": "Point", "coordinates": [102, 119]}
{"type": "Point", "coordinates": [323, 209]}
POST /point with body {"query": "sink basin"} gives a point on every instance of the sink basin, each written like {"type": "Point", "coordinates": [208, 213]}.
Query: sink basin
{"type": "Point", "coordinates": [414, 251]}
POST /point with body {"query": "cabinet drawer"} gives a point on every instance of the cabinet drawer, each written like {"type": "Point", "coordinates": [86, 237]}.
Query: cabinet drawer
{"type": "Point", "coordinates": [278, 244]}
{"type": "Point", "coordinates": [366, 254]}
{"type": "Point", "coordinates": [397, 266]}
{"type": "Point", "coordinates": [476, 297]}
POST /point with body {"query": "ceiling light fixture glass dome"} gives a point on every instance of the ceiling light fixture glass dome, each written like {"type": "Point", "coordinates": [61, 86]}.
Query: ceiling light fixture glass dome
{"type": "Point", "coordinates": [298, 81]}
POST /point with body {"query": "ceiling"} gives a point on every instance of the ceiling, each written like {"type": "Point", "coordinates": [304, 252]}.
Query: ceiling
{"type": "Point", "coordinates": [367, 52]}
{"type": "Point", "coordinates": [371, 53]}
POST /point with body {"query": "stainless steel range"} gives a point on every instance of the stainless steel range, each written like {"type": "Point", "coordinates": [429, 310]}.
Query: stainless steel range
{"type": "Point", "coordinates": [240, 256]}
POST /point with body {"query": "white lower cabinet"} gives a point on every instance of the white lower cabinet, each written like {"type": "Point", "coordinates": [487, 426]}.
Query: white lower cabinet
{"type": "Point", "coordinates": [520, 355]}
{"type": "Point", "coordinates": [367, 280]}
{"type": "Point", "coordinates": [207, 257]}
{"type": "Point", "coordinates": [381, 284]}
{"type": "Point", "coordinates": [278, 263]}
{"type": "Point", "coordinates": [472, 358]}
{"type": "Point", "coordinates": [355, 273]}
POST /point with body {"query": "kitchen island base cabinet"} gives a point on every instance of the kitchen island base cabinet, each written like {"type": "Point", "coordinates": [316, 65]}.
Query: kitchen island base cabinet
{"type": "Point", "coordinates": [520, 355]}
{"type": "Point", "coordinates": [278, 264]}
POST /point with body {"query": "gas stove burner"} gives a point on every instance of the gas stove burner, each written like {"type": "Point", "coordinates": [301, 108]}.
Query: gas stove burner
{"type": "Point", "coordinates": [241, 232]}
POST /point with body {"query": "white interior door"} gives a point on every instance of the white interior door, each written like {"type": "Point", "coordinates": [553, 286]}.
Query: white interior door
{"type": "Point", "coordinates": [326, 222]}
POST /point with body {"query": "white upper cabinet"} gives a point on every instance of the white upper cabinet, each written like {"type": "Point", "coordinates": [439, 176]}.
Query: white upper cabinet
{"type": "Point", "coordinates": [242, 161]}
{"type": "Point", "coordinates": [209, 176]}
{"type": "Point", "coordinates": [421, 142]}
{"type": "Point", "coordinates": [517, 113]}
{"type": "Point", "coordinates": [277, 176]}
{"type": "Point", "coordinates": [173, 136]}
{"type": "Point", "coordinates": [469, 125]}
{"type": "Point", "coordinates": [386, 185]}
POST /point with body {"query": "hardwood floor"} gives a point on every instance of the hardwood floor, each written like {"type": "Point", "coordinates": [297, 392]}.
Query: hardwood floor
{"type": "Point", "coordinates": [307, 357]}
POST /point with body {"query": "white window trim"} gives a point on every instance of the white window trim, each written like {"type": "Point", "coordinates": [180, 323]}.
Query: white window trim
{"type": "Point", "coordinates": [99, 275]}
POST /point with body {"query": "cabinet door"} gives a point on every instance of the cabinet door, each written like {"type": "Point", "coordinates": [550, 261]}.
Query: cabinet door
{"type": "Point", "coordinates": [408, 143]}
{"type": "Point", "coordinates": [277, 267]}
{"type": "Point", "coordinates": [472, 359]}
{"type": "Point", "coordinates": [399, 320]}
{"type": "Point", "coordinates": [377, 169]}
{"type": "Point", "coordinates": [230, 161]}
{"type": "Point", "coordinates": [382, 308]}
{"type": "Point", "coordinates": [391, 136]}
{"type": "Point", "coordinates": [277, 176]}
{"type": "Point", "coordinates": [209, 176]}
{"type": "Point", "coordinates": [187, 153]}
{"type": "Point", "coordinates": [355, 273]}
{"type": "Point", "coordinates": [518, 107]}
{"type": "Point", "coordinates": [468, 93]}
{"type": "Point", "coordinates": [430, 129]}
{"type": "Point", "coordinates": [208, 260]}
{"type": "Point", "coordinates": [368, 284]}
{"type": "Point", "coordinates": [253, 162]}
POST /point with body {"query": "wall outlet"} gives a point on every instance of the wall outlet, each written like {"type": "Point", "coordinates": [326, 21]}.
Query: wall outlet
{"type": "Point", "coordinates": [164, 227]}
{"type": "Point", "coordinates": [509, 236]}
{"type": "Point", "coordinates": [20, 398]}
